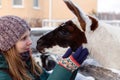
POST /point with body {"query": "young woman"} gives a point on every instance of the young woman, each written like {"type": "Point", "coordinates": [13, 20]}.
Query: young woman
{"type": "Point", "coordinates": [16, 62]}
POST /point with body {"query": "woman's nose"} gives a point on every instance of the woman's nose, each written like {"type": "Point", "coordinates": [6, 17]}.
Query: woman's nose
{"type": "Point", "coordinates": [29, 42]}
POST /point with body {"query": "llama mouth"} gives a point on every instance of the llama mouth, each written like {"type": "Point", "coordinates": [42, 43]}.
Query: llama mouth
{"type": "Point", "coordinates": [42, 49]}
{"type": "Point", "coordinates": [54, 49]}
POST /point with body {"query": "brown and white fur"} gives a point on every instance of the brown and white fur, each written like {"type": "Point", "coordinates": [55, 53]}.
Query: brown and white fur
{"type": "Point", "coordinates": [103, 40]}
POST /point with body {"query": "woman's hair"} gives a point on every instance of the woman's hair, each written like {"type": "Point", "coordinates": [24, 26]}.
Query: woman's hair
{"type": "Point", "coordinates": [17, 67]}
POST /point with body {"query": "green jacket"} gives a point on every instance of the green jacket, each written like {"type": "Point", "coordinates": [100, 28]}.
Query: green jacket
{"type": "Point", "coordinates": [59, 73]}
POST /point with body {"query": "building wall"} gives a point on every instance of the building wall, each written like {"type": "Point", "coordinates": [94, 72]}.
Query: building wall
{"type": "Point", "coordinates": [27, 10]}
{"type": "Point", "coordinates": [59, 9]}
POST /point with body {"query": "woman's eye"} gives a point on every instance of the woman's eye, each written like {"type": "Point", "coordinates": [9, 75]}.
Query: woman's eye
{"type": "Point", "coordinates": [24, 38]}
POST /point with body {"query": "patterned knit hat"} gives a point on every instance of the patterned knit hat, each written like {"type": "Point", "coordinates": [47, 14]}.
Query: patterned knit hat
{"type": "Point", "coordinates": [11, 29]}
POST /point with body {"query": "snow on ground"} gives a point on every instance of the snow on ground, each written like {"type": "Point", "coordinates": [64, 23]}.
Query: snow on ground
{"type": "Point", "coordinates": [82, 77]}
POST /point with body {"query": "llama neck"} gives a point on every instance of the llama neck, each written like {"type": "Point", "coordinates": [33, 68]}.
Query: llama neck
{"type": "Point", "coordinates": [104, 45]}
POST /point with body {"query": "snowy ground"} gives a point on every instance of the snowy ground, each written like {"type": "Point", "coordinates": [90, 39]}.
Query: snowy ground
{"type": "Point", "coordinates": [58, 52]}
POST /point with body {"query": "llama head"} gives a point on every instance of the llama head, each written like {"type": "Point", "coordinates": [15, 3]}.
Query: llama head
{"type": "Point", "coordinates": [69, 33]}
{"type": "Point", "coordinates": [65, 35]}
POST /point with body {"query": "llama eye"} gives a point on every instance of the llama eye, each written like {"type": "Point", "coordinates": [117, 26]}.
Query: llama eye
{"type": "Point", "coordinates": [64, 32]}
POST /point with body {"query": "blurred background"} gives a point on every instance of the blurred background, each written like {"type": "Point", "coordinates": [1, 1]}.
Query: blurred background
{"type": "Point", "coordinates": [50, 13]}
{"type": "Point", "coordinates": [46, 15]}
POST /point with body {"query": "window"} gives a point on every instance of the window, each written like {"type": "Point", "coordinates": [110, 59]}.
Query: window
{"type": "Point", "coordinates": [0, 3]}
{"type": "Point", "coordinates": [36, 4]}
{"type": "Point", "coordinates": [17, 3]}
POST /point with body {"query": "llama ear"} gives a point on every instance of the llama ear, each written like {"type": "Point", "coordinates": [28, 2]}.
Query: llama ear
{"type": "Point", "coordinates": [82, 18]}
{"type": "Point", "coordinates": [94, 24]}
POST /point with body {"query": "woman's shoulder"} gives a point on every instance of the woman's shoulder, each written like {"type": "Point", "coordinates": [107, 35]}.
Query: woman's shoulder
{"type": "Point", "coordinates": [4, 75]}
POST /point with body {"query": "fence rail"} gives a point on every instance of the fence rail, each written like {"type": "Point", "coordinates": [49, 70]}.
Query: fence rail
{"type": "Point", "coordinates": [52, 23]}
{"type": "Point", "coordinates": [55, 23]}
{"type": "Point", "coordinates": [112, 22]}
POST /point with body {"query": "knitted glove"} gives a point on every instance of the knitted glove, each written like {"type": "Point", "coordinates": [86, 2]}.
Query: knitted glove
{"type": "Point", "coordinates": [72, 60]}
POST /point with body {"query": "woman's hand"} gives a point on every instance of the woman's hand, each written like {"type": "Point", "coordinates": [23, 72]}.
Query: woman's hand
{"type": "Point", "coordinates": [72, 60]}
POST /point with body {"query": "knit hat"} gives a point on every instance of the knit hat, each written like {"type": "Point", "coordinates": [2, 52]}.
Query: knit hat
{"type": "Point", "coordinates": [11, 29]}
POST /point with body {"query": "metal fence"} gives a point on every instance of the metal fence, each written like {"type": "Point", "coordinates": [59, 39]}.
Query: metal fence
{"type": "Point", "coordinates": [112, 22]}
{"type": "Point", "coordinates": [55, 23]}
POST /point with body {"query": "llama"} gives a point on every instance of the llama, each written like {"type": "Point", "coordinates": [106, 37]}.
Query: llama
{"type": "Point", "coordinates": [102, 40]}
{"type": "Point", "coordinates": [46, 60]}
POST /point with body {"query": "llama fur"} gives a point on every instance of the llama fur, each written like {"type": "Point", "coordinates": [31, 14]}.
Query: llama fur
{"type": "Point", "coordinates": [103, 42]}
{"type": "Point", "coordinates": [104, 45]}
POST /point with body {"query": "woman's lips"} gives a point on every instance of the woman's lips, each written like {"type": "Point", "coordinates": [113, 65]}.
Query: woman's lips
{"type": "Point", "coordinates": [27, 49]}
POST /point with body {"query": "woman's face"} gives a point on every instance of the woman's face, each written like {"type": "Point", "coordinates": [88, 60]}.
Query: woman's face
{"type": "Point", "coordinates": [24, 43]}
